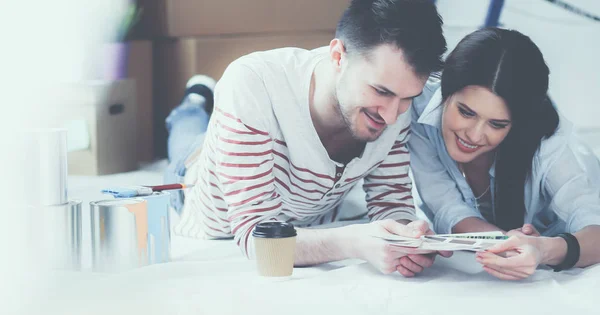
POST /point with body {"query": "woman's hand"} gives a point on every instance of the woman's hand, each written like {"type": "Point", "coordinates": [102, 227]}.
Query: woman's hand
{"type": "Point", "coordinates": [515, 259]}
{"type": "Point", "coordinates": [527, 229]}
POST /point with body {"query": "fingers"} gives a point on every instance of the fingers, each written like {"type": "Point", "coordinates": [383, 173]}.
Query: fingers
{"type": "Point", "coordinates": [405, 272]}
{"type": "Point", "coordinates": [495, 260]}
{"type": "Point", "coordinates": [415, 263]}
{"type": "Point", "coordinates": [425, 261]}
{"type": "Point", "coordinates": [510, 272]}
{"type": "Point", "coordinates": [410, 265]}
{"type": "Point", "coordinates": [409, 250]}
{"type": "Point", "coordinates": [399, 264]}
{"type": "Point", "coordinates": [446, 254]}
{"type": "Point", "coordinates": [400, 229]}
{"type": "Point", "coordinates": [421, 226]}
{"type": "Point", "coordinates": [523, 265]}
{"type": "Point", "coordinates": [529, 229]}
{"type": "Point", "coordinates": [509, 244]}
{"type": "Point", "coordinates": [515, 232]}
{"type": "Point", "coordinates": [499, 274]}
{"type": "Point", "coordinates": [509, 253]}
{"type": "Point", "coordinates": [391, 266]}
{"type": "Point", "coordinates": [512, 268]}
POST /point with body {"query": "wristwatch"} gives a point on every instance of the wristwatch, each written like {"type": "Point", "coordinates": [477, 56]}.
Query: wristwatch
{"type": "Point", "coordinates": [573, 252]}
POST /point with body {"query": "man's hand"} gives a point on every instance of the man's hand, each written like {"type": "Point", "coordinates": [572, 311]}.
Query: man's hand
{"type": "Point", "coordinates": [388, 258]}
{"type": "Point", "coordinates": [414, 263]}
{"type": "Point", "coordinates": [527, 229]}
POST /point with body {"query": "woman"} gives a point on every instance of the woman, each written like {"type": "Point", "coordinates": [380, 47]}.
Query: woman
{"type": "Point", "coordinates": [490, 152]}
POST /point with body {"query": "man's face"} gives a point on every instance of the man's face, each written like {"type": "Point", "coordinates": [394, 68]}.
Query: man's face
{"type": "Point", "coordinates": [372, 91]}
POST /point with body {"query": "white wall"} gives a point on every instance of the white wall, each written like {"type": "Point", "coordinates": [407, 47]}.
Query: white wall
{"type": "Point", "coordinates": [570, 45]}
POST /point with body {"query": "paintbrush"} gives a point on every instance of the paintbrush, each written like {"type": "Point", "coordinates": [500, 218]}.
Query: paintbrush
{"type": "Point", "coordinates": [136, 191]}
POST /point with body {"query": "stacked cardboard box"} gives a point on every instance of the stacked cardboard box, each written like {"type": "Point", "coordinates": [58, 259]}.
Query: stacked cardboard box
{"type": "Point", "coordinates": [203, 36]}
{"type": "Point", "coordinates": [139, 69]}
{"type": "Point", "coordinates": [190, 18]}
{"type": "Point", "coordinates": [100, 119]}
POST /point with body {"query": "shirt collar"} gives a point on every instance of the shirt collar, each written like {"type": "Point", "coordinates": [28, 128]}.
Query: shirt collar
{"type": "Point", "coordinates": [493, 169]}
{"type": "Point", "coordinates": [432, 115]}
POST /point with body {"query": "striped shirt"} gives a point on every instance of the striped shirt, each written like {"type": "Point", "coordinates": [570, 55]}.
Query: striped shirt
{"type": "Point", "coordinates": [263, 160]}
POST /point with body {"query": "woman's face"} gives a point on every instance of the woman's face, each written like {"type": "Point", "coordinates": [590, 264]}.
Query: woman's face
{"type": "Point", "coordinates": [475, 122]}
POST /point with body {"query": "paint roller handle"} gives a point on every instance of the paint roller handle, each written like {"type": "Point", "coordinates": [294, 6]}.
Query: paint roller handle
{"type": "Point", "coordinates": [169, 187]}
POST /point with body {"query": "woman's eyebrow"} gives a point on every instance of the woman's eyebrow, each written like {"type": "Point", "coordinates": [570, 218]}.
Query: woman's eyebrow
{"type": "Point", "coordinates": [502, 121]}
{"type": "Point", "coordinates": [467, 107]}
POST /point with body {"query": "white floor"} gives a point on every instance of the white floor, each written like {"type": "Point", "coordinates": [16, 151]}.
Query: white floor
{"type": "Point", "coordinates": [211, 277]}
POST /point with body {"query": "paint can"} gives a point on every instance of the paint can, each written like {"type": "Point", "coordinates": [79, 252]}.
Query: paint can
{"type": "Point", "coordinates": [119, 234]}
{"type": "Point", "coordinates": [159, 232]}
{"type": "Point", "coordinates": [55, 235]}
{"type": "Point", "coordinates": [43, 157]}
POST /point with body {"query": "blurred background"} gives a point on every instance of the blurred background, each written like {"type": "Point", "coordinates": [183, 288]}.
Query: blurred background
{"type": "Point", "coordinates": [121, 65]}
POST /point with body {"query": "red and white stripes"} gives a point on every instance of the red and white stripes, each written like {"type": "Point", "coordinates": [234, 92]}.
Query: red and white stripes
{"type": "Point", "coordinates": [257, 165]}
{"type": "Point", "coordinates": [248, 177]}
{"type": "Point", "coordinates": [388, 187]}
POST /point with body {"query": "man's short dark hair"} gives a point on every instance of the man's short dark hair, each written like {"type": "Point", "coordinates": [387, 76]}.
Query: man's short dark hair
{"type": "Point", "coordinates": [414, 26]}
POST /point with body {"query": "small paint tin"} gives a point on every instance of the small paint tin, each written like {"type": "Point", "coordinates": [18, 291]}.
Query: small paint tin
{"type": "Point", "coordinates": [119, 234]}
{"type": "Point", "coordinates": [54, 234]}
{"type": "Point", "coordinates": [159, 232]}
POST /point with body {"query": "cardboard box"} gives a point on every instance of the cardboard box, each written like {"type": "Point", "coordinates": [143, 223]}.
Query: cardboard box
{"type": "Point", "coordinates": [186, 18]}
{"type": "Point", "coordinates": [178, 60]}
{"type": "Point", "coordinates": [100, 118]}
{"type": "Point", "coordinates": [140, 69]}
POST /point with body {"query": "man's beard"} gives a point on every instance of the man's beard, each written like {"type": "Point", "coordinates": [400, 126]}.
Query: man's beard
{"type": "Point", "coordinates": [350, 127]}
{"type": "Point", "coordinates": [347, 119]}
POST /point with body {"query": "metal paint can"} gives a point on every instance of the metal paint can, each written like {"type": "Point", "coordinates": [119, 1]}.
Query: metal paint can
{"type": "Point", "coordinates": [119, 234]}
{"type": "Point", "coordinates": [159, 232]}
{"type": "Point", "coordinates": [43, 154]}
{"type": "Point", "coordinates": [55, 234]}
{"type": "Point", "coordinates": [159, 227]}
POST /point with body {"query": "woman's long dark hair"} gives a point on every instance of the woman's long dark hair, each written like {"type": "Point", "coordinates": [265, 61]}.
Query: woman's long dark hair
{"type": "Point", "coordinates": [512, 67]}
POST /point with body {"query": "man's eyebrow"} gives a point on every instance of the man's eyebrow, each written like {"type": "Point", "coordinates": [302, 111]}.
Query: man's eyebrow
{"type": "Point", "coordinates": [383, 88]}
{"type": "Point", "coordinates": [415, 96]}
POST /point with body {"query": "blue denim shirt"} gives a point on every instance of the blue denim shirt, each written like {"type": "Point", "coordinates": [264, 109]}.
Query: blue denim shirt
{"type": "Point", "coordinates": [561, 195]}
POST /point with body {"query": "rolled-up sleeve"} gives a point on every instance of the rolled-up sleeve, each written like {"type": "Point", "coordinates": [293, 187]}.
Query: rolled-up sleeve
{"type": "Point", "coordinates": [572, 182]}
{"type": "Point", "coordinates": [436, 188]}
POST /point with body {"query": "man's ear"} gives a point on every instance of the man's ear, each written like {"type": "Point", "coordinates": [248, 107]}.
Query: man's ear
{"type": "Point", "coordinates": [337, 53]}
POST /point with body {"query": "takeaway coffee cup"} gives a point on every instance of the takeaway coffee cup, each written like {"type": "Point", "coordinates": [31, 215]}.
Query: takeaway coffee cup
{"type": "Point", "coordinates": [274, 244]}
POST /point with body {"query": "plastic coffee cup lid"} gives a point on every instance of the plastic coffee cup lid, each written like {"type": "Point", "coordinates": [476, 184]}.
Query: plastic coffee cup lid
{"type": "Point", "coordinates": [274, 230]}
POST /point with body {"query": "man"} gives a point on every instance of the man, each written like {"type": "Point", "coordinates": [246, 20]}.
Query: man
{"type": "Point", "coordinates": [293, 130]}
